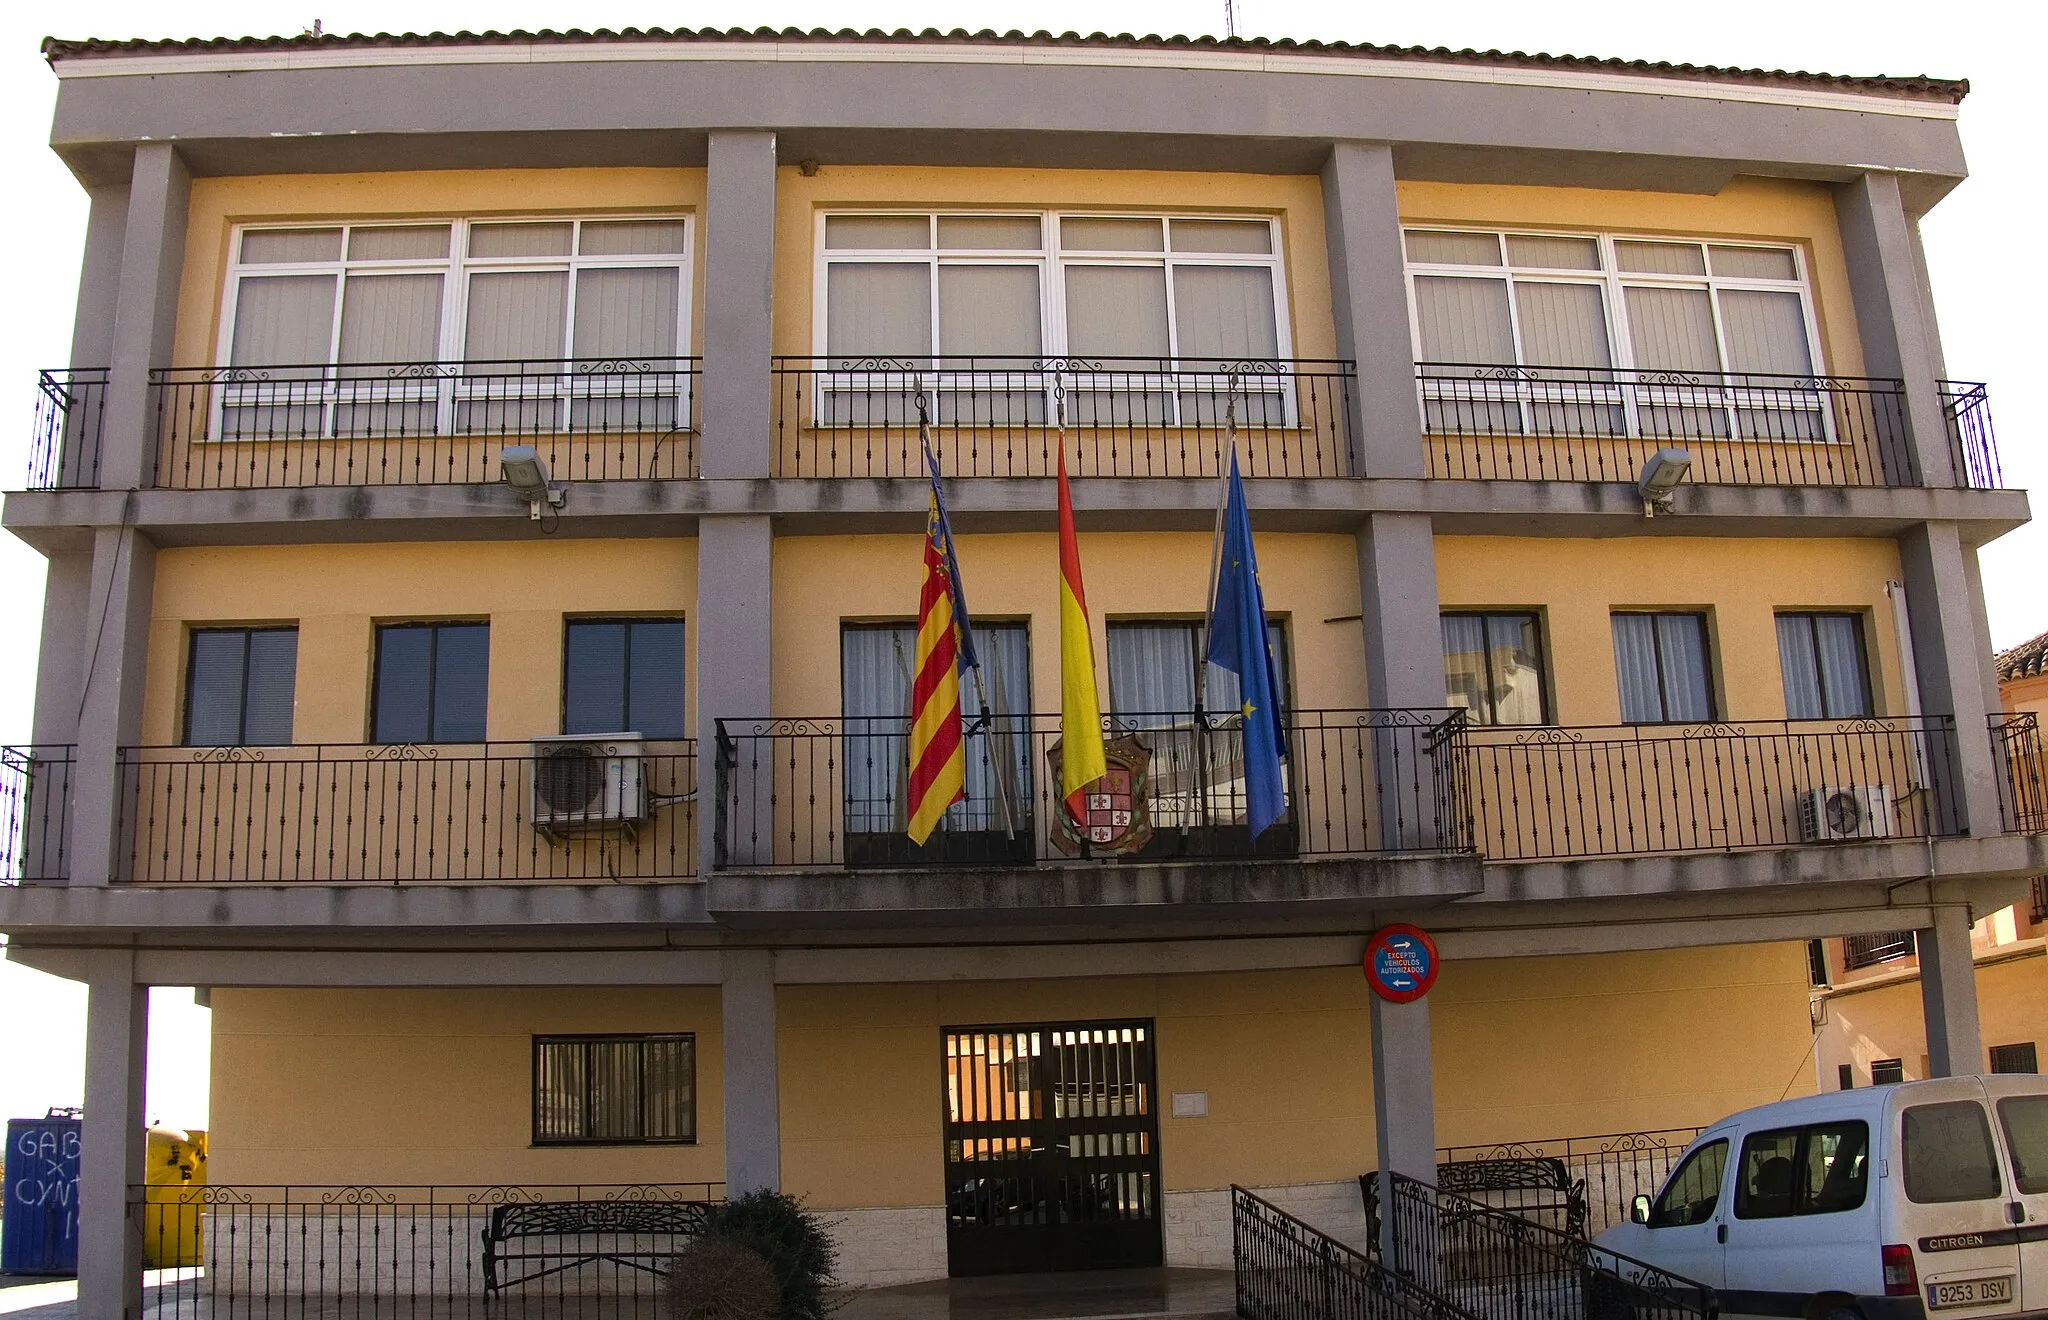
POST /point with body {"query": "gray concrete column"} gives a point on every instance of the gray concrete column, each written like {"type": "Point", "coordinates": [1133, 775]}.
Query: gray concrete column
{"type": "Point", "coordinates": [60, 667]}
{"type": "Point", "coordinates": [1368, 293]}
{"type": "Point", "coordinates": [99, 276]}
{"type": "Point", "coordinates": [735, 561]}
{"type": "Point", "coordinates": [1404, 1105]}
{"type": "Point", "coordinates": [1404, 669]}
{"type": "Point", "coordinates": [145, 312]}
{"type": "Point", "coordinates": [114, 649]}
{"type": "Point", "coordinates": [1893, 320]}
{"type": "Point", "coordinates": [1948, 994]}
{"type": "Point", "coordinates": [753, 1118]}
{"type": "Point", "coordinates": [1952, 654]}
{"type": "Point", "coordinates": [739, 274]}
{"type": "Point", "coordinates": [112, 1140]}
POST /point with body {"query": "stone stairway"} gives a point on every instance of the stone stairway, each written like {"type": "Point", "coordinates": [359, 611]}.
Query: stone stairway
{"type": "Point", "coordinates": [1158, 1294]}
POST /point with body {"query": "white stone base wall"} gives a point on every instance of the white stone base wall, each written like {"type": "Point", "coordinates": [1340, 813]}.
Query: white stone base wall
{"type": "Point", "coordinates": [1198, 1229]}
{"type": "Point", "coordinates": [888, 1245]}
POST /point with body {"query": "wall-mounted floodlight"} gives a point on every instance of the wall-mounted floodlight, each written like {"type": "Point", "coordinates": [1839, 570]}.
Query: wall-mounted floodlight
{"type": "Point", "coordinates": [520, 467]}
{"type": "Point", "coordinates": [1661, 475]}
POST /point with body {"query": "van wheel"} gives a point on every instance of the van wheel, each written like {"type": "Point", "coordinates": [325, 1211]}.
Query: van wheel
{"type": "Point", "coordinates": [1607, 1299]}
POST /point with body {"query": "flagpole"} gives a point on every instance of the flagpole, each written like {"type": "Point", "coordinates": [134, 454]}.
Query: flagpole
{"type": "Point", "coordinates": [996, 766]}
{"type": "Point", "coordinates": [1216, 543]}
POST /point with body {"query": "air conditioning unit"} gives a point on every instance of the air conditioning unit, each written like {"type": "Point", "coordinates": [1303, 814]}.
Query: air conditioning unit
{"type": "Point", "coordinates": [1853, 811]}
{"type": "Point", "coordinates": [587, 781]}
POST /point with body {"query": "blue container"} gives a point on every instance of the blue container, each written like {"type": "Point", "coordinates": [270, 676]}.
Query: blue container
{"type": "Point", "coordinates": [39, 1224]}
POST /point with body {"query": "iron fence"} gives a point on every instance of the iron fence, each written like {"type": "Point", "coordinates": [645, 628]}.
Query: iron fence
{"type": "Point", "coordinates": [414, 1252]}
{"type": "Point", "coordinates": [1870, 950]}
{"type": "Point", "coordinates": [71, 410]}
{"type": "Point", "coordinates": [2037, 893]}
{"type": "Point", "coordinates": [2021, 765]}
{"type": "Point", "coordinates": [35, 813]}
{"type": "Point", "coordinates": [422, 423]}
{"type": "Point", "coordinates": [811, 793]}
{"type": "Point", "coordinates": [1550, 791]}
{"type": "Point", "coordinates": [1514, 423]}
{"type": "Point", "coordinates": [397, 814]}
{"type": "Point", "coordinates": [1286, 1270]}
{"type": "Point", "coordinates": [1610, 1169]}
{"type": "Point", "coordinates": [1973, 445]}
{"type": "Point", "coordinates": [1497, 1266]}
{"type": "Point", "coordinates": [1000, 416]}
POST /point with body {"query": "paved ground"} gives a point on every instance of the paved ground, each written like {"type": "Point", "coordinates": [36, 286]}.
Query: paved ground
{"type": "Point", "coordinates": [1105, 1295]}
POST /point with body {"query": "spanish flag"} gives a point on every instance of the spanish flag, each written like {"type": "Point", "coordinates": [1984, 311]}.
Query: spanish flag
{"type": "Point", "coordinates": [938, 756]}
{"type": "Point", "coordinates": [1081, 759]}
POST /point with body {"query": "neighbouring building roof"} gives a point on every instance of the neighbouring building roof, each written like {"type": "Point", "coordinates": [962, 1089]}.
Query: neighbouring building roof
{"type": "Point", "coordinates": [1919, 86]}
{"type": "Point", "coordinates": [2027, 660]}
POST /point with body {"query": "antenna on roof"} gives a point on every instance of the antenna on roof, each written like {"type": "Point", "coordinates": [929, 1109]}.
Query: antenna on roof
{"type": "Point", "coordinates": [1230, 18]}
{"type": "Point", "coordinates": [312, 31]}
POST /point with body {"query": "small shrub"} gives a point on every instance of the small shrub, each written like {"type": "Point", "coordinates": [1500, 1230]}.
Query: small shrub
{"type": "Point", "coordinates": [793, 1241]}
{"type": "Point", "coordinates": [717, 1278]}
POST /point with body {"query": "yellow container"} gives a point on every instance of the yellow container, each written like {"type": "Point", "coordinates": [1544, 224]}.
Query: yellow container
{"type": "Point", "coordinates": [174, 1171]}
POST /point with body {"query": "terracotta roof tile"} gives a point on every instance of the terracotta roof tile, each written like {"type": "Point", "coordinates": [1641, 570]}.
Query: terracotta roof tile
{"type": "Point", "coordinates": [1920, 86]}
{"type": "Point", "coordinates": [2027, 660]}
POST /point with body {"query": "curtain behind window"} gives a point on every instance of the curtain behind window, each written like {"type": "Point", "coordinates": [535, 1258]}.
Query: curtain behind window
{"type": "Point", "coordinates": [1661, 663]}
{"type": "Point", "coordinates": [282, 320]}
{"type": "Point", "coordinates": [1225, 312]}
{"type": "Point", "coordinates": [628, 313]}
{"type": "Point", "coordinates": [1800, 668]}
{"type": "Point", "coordinates": [516, 315]}
{"type": "Point", "coordinates": [1463, 320]}
{"type": "Point", "coordinates": [878, 309]}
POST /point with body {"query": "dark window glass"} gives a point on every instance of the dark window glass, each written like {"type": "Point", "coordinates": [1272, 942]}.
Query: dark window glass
{"type": "Point", "coordinates": [1694, 1189]}
{"type": "Point", "coordinates": [1821, 658]}
{"type": "Point", "coordinates": [614, 1090]}
{"type": "Point", "coordinates": [1493, 667]}
{"type": "Point", "coordinates": [1834, 1167]}
{"type": "Point", "coordinates": [431, 681]}
{"type": "Point", "coordinates": [1763, 1184]}
{"type": "Point", "coordinates": [2026, 1136]}
{"type": "Point", "coordinates": [2014, 1058]}
{"type": "Point", "coordinates": [1661, 663]}
{"type": "Point", "coordinates": [1845, 1076]}
{"type": "Point", "coordinates": [623, 676]}
{"type": "Point", "coordinates": [239, 687]}
{"type": "Point", "coordinates": [1817, 963]}
{"type": "Point", "coordinates": [1947, 1151]}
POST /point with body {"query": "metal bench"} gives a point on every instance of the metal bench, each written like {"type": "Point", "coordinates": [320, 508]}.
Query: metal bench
{"type": "Point", "coordinates": [512, 1256]}
{"type": "Point", "coordinates": [1539, 1188]}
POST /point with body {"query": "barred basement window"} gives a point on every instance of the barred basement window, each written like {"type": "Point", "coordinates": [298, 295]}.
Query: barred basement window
{"type": "Point", "coordinates": [614, 1090]}
{"type": "Point", "coordinates": [2018, 1058]}
{"type": "Point", "coordinates": [1884, 1071]}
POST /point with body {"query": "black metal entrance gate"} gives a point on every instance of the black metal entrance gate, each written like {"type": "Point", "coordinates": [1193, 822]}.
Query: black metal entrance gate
{"type": "Point", "coordinates": [1052, 1147]}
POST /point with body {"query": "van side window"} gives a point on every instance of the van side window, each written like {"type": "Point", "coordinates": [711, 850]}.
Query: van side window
{"type": "Point", "coordinates": [1763, 1187]}
{"type": "Point", "coordinates": [2026, 1135]}
{"type": "Point", "coordinates": [1835, 1165]}
{"type": "Point", "coordinates": [1692, 1193]}
{"type": "Point", "coordinates": [1946, 1149]}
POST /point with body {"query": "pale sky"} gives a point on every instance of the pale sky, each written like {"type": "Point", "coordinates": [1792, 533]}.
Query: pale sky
{"type": "Point", "coordinates": [1990, 287]}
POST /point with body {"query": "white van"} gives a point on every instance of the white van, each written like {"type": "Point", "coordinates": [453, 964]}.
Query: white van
{"type": "Point", "coordinates": [1888, 1202]}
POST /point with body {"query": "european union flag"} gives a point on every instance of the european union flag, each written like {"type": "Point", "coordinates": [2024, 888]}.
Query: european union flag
{"type": "Point", "coordinates": [1237, 642]}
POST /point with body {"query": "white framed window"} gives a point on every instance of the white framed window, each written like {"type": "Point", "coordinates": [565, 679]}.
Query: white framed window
{"type": "Point", "coordinates": [1142, 319]}
{"type": "Point", "coordinates": [428, 327]}
{"type": "Point", "coordinates": [1541, 333]}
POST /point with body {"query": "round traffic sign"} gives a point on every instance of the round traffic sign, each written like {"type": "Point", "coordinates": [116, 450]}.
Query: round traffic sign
{"type": "Point", "coordinates": [1401, 963]}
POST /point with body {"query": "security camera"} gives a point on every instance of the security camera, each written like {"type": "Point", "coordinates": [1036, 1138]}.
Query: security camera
{"type": "Point", "coordinates": [521, 468]}
{"type": "Point", "coordinates": [1661, 475]}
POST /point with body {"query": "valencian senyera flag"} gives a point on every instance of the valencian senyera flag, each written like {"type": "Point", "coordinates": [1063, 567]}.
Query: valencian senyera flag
{"type": "Point", "coordinates": [1081, 757]}
{"type": "Point", "coordinates": [945, 647]}
{"type": "Point", "coordinates": [1238, 642]}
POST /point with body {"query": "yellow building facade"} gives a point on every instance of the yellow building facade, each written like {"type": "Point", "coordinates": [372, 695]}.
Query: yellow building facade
{"type": "Point", "coordinates": [484, 576]}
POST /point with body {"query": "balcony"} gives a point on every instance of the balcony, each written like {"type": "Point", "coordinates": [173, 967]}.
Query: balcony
{"type": "Point", "coordinates": [1513, 423]}
{"type": "Point", "coordinates": [398, 814]}
{"type": "Point", "coordinates": [1542, 793]}
{"type": "Point", "coordinates": [381, 424]}
{"type": "Point", "coordinates": [35, 806]}
{"type": "Point", "coordinates": [817, 794]}
{"type": "Point", "coordinates": [999, 416]}
{"type": "Point", "coordinates": [2022, 769]}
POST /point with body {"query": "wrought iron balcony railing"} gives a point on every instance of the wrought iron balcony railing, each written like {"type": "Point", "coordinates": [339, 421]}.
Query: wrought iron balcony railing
{"type": "Point", "coordinates": [1613, 1169]}
{"type": "Point", "coordinates": [1555, 792]}
{"type": "Point", "coordinates": [422, 423]}
{"type": "Point", "coordinates": [2021, 764]}
{"type": "Point", "coordinates": [816, 793]}
{"type": "Point", "coordinates": [1515, 423]}
{"type": "Point", "coordinates": [71, 405]}
{"type": "Point", "coordinates": [35, 806]}
{"type": "Point", "coordinates": [998, 416]}
{"type": "Point", "coordinates": [1860, 951]}
{"type": "Point", "coordinates": [482, 812]}
{"type": "Point", "coordinates": [590, 1252]}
